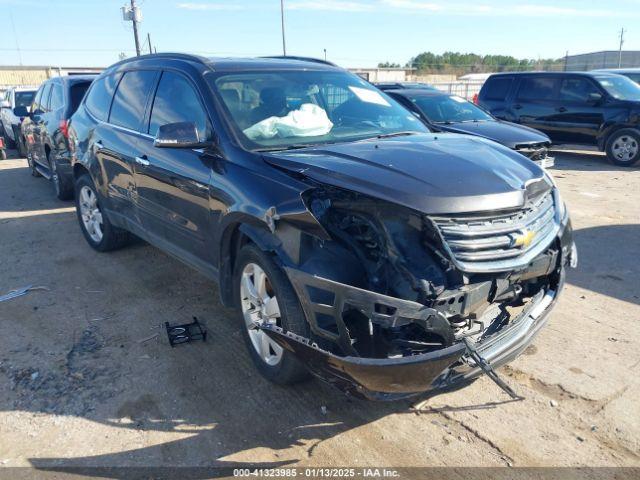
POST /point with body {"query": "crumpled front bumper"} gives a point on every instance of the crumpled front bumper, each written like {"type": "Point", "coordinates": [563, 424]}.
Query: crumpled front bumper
{"type": "Point", "coordinates": [394, 378]}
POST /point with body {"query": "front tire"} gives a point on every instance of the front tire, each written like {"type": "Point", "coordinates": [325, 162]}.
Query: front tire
{"type": "Point", "coordinates": [263, 293]}
{"type": "Point", "coordinates": [98, 231]}
{"type": "Point", "coordinates": [623, 147]}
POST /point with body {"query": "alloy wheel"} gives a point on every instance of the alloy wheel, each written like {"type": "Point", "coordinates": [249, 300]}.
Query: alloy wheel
{"type": "Point", "coordinates": [260, 305]}
{"type": "Point", "coordinates": [90, 213]}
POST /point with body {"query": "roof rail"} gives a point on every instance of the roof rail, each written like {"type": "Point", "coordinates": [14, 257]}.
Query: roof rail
{"type": "Point", "coordinates": [305, 59]}
{"type": "Point", "coordinates": [176, 55]}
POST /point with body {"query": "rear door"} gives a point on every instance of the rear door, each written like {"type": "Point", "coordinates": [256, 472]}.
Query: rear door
{"type": "Point", "coordinates": [172, 184]}
{"type": "Point", "coordinates": [535, 103]}
{"type": "Point", "coordinates": [122, 138]}
{"type": "Point", "coordinates": [38, 127]}
{"type": "Point", "coordinates": [27, 124]}
{"type": "Point", "coordinates": [578, 118]}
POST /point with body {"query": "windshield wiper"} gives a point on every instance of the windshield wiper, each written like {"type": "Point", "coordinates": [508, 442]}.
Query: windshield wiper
{"type": "Point", "coordinates": [396, 134]}
{"type": "Point", "coordinates": [288, 147]}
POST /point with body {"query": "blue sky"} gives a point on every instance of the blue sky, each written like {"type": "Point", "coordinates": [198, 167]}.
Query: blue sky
{"type": "Point", "coordinates": [354, 32]}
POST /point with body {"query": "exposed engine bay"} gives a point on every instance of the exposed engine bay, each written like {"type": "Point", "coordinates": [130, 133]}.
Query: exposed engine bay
{"type": "Point", "coordinates": [386, 286]}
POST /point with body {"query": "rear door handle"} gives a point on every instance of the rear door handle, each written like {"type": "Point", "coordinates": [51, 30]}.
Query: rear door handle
{"type": "Point", "coordinates": [517, 106]}
{"type": "Point", "coordinates": [142, 161]}
{"type": "Point", "coordinates": [561, 109]}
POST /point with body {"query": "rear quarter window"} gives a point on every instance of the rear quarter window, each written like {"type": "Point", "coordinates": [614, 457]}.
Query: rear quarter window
{"type": "Point", "coordinates": [497, 88]}
{"type": "Point", "coordinates": [99, 97]}
{"type": "Point", "coordinates": [76, 93]}
{"type": "Point", "coordinates": [130, 99]}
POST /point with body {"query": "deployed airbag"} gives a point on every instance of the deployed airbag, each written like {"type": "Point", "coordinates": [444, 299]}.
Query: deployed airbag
{"type": "Point", "coordinates": [309, 121]}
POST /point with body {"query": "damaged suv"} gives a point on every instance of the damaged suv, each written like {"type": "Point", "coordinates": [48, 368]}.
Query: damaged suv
{"type": "Point", "coordinates": [355, 244]}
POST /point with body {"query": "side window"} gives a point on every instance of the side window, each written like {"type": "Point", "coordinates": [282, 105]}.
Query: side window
{"type": "Point", "coordinates": [497, 88]}
{"type": "Point", "coordinates": [177, 101]}
{"type": "Point", "coordinates": [575, 89]}
{"type": "Point", "coordinates": [99, 97]}
{"type": "Point", "coordinates": [36, 103]}
{"type": "Point", "coordinates": [131, 97]}
{"type": "Point", "coordinates": [57, 97]}
{"type": "Point", "coordinates": [538, 88]}
{"type": "Point", "coordinates": [44, 101]}
{"type": "Point", "coordinates": [635, 77]}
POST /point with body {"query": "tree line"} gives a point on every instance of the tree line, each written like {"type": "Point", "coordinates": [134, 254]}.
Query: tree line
{"type": "Point", "coordinates": [461, 63]}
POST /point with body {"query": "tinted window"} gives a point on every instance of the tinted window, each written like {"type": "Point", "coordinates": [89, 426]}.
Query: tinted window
{"type": "Point", "coordinates": [44, 101]}
{"type": "Point", "coordinates": [99, 97]}
{"type": "Point", "coordinates": [36, 102]}
{"type": "Point", "coordinates": [497, 88]}
{"type": "Point", "coordinates": [130, 98]}
{"type": "Point", "coordinates": [538, 88]}
{"type": "Point", "coordinates": [177, 101]}
{"type": "Point", "coordinates": [57, 97]}
{"type": "Point", "coordinates": [634, 76]}
{"type": "Point", "coordinates": [445, 108]}
{"type": "Point", "coordinates": [76, 92]}
{"type": "Point", "coordinates": [24, 99]}
{"type": "Point", "coordinates": [577, 90]}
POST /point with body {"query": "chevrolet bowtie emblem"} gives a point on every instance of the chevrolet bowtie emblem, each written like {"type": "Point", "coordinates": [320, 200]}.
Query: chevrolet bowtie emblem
{"type": "Point", "coordinates": [523, 238]}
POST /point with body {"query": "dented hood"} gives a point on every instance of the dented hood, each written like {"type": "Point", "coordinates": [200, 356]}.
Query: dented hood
{"type": "Point", "coordinates": [429, 173]}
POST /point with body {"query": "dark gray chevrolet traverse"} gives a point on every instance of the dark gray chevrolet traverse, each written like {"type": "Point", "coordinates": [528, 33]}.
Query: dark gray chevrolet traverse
{"type": "Point", "coordinates": [354, 243]}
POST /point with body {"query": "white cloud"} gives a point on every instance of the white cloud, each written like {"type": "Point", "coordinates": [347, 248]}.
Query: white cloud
{"type": "Point", "coordinates": [330, 5]}
{"type": "Point", "coordinates": [413, 5]}
{"type": "Point", "coordinates": [210, 6]}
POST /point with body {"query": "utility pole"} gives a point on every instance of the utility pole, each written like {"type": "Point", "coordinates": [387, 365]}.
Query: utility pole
{"type": "Point", "coordinates": [135, 25]}
{"type": "Point", "coordinates": [566, 60]}
{"type": "Point", "coordinates": [134, 15]}
{"type": "Point", "coordinates": [620, 50]}
{"type": "Point", "coordinates": [284, 43]}
{"type": "Point", "coordinates": [325, 54]}
{"type": "Point", "coordinates": [149, 41]}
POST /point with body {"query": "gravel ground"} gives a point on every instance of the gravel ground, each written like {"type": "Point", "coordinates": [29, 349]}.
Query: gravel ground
{"type": "Point", "coordinates": [79, 387]}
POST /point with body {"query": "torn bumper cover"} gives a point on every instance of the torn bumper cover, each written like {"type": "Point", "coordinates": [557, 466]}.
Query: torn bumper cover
{"type": "Point", "coordinates": [393, 378]}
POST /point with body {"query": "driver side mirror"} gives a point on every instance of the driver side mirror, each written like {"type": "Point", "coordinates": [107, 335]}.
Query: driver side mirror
{"type": "Point", "coordinates": [178, 135]}
{"type": "Point", "coordinates": [594, 98]}
{"type": "Point", "coordinates": [21, 111]}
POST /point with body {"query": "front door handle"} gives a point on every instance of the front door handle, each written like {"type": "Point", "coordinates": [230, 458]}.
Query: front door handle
{"type": "Point", "coordinates": [562, 109]}
{"type": "Point", "coordinates": [142, 161]}
{"type": "Point", "coordinates": [517, 106]}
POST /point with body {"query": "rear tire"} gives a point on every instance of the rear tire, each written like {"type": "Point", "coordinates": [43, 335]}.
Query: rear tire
{"type": "Point", "coordinates": [32, 167]}
{"type": "Point", "coordinates": [62, 185]}
{"type": "Point", "coordinates": [98, 231]}
{"type": "Point", "coordinates": [3, 154]}
{"type": "Point", "coordinates": [284, 369]}
{"type": "Point", "coordinates": [623, 147]}
{"type": "Point", "coordinates": [21, 146]}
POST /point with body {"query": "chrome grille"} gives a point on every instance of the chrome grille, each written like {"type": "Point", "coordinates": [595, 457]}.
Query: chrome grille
{"type": "Point", "coordinates": [494, 242]}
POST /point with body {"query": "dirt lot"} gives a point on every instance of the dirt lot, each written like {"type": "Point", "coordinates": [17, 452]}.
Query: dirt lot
{"type": "Point", "coordinates": [78, 388]}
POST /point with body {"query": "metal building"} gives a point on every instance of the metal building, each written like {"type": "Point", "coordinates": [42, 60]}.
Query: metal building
{"type": "Point", "coordinates": [604, 59]}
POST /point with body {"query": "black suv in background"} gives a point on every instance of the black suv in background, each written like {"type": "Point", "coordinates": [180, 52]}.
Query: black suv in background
{"type": "Point", "coordinates": [45, 130]}
{"type": "Point", "coordinates": [350, 239]}
{"type": "Point", "coordinates": [601, 109]}
{"type": "Point", "coordinates": [443, 112]}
